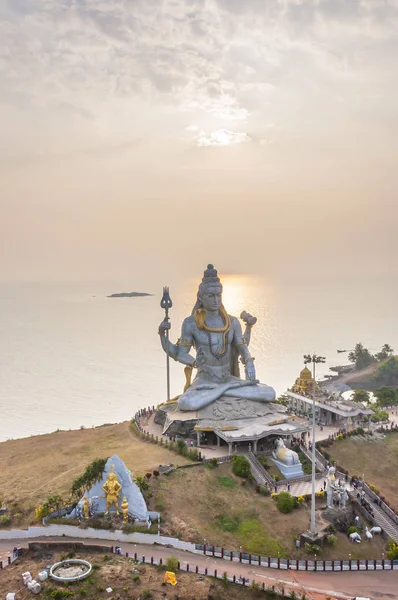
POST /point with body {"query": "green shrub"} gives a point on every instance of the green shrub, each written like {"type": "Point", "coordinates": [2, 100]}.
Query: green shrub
{"type": "Point", "coordinates": [146, 594]}
{"type": "Point", "coordinates": [351, 530]}
{"type": "Point", "coordinates": [332, 539]}
{"type": "Point", "coordinates": [240, 466]}
{"type": "Point", "coordinates": [227, 523]}
{"type": "Point", "coordinates": [392, 550]}
{"type": "Point", "coordinates": [285, 502]}
{"type": "Point", "coordinates": [181, 447]}
{"type": "Point", "coordinates": [193, 454]}
{"type": "Point", "coordinates": [264, 491]}
{"type": "Point", "coordinates": [172, 564]}
{"type": "Point", "coordinates": [225, 580]}
{"type": "Point", "coordinates": [5, 520]}
{"type": "Point", "coordinates": [136, 578]}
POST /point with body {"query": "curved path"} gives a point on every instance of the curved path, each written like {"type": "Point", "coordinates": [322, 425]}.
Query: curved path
{"type": "Point", "coordinates": [377, 585]}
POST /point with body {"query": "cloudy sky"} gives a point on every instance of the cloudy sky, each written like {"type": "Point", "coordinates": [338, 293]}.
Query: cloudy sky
{"type": "Point", "coordinates": [144, 135]}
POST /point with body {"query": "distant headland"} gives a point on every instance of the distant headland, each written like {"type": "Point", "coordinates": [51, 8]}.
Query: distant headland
{"type": "Point", "coordinates": [129, 295]}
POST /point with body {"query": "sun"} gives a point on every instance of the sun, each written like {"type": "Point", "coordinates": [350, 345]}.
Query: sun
{"type": "Point", "coordinates": [233, 292]}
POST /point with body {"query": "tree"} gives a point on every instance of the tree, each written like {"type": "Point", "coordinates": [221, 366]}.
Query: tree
{"type": "Point", "coordinates": [361, 396]}
{"type": "Point", "coordinates": [285, 502]}
{"type": "Point", "coordinates": [240, 466]}
{"type": "Point", "coordinates": [387, 373]}
{"type": "Point", "coordinates": [386, 351]}
{"type": "Point", "coordinates": [379, 415]}
{"type": "Point", "coordinates": [386, 396]}
{"type": "Point", "coordinates": [361, 357]}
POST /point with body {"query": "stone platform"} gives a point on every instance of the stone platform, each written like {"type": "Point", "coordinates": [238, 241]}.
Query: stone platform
{"type": "Point", "coordinates": [289, 471]}
{"type": "Point", "coordinates": [231, 419]}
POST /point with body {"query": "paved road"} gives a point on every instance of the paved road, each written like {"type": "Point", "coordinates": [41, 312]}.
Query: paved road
{"type": "Point", "coordinates": [377, 585]}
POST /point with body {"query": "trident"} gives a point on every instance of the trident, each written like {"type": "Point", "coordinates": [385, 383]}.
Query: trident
{"type": "Point", "coordinates": [166, 303]}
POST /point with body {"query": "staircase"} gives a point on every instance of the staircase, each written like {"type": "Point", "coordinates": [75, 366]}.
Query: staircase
{"type": "Point", "coordinates": [261, 476]}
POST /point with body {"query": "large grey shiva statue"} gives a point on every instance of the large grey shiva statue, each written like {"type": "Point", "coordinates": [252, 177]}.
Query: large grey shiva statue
{"type": "Point", "coordinates": [218, 341]}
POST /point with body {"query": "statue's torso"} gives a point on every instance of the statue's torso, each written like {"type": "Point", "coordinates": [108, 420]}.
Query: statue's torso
{"type": "Point", "coordinates": [215, 346]}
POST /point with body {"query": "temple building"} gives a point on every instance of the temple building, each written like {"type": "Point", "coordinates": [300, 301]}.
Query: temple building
{"type": "Point", "coordinates": [304, 384]}
{"type": "Point", "coordinates": [329, 409]}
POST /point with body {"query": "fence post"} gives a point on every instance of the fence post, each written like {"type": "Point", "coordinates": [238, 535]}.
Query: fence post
{"type": "Point", "coordinates": [382, 562]}
{"type": "Point", "coordinates": [366, 565]}
{"type": "Point", "coordinates": [187, 567]}
{"type": "Point", "coordinates": [143, 559]}
{"type": "Point", "coordinates": [222, 552]}
{"type": "Point", "coordinates": [358, 564]}
{"type": "Point", "coordinates": [160, 560]}
{"type": "Point", "coordinates": [250, 559]}
{"type": "Point", "coordinates": [179, 566]}
{"type": "Point", "coordinates": [135, 555]}
{"type": "Point", "coordinates": [127, 554]}
{"type": "Point", "coordinates": [332, 565]}
{"type": "Point", "coordinates": [234, 579]}
{"type": "Point", "coordinates": [279, 562]}
{"type": "Point", "coordinates": [288, 563]}
{"type": "Point", "coordinates": [215, 573]}
{"type": "Point", "coordinates": [197, 569]}
{"type": "Point", "coordinates": [269, 561]}
{"type": "Point", "coordinates": [151, 560]}
{"type": "Point", "coordinates": [259, 560]}
{"type": "Point", "coordinates": [306, 564]}
{"type": "Point", "coordinates": [214, 550]}
{"type": "Point", "coordinates": [205, 570]}
{"type": "Point", "coordinates": [349, 564]}
{"type": "Point", "coordinates": [204, 549]}
{"type": "Point", "coordinates": [324, 565]}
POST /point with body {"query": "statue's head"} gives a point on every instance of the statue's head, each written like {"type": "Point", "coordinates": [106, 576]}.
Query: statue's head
{"type": "Point", "coordinates": [210, 290]}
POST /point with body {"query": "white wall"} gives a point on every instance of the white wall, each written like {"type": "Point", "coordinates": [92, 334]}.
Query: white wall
{"type": "Point", "coordinates": [98, 534]}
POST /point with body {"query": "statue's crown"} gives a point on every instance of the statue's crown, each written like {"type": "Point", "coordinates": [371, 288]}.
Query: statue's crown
{"type": "Point", "coordinates": [210, 275]}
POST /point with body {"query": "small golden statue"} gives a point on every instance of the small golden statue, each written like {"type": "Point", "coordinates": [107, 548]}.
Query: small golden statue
{"type": "Point", "coordinates": [86, 507]}
{"type": "Point", "coordinates": [112, 489]}
{"type": "Point", "coordinates": [125, 510]}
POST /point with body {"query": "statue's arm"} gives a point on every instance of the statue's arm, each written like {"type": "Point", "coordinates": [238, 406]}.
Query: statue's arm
{"type": "Point", "coordinates": [240, 344]}
{"type": "Point", "coordinates": [185, 344]}
{"type": "Point", "coordinates": [170, 348]}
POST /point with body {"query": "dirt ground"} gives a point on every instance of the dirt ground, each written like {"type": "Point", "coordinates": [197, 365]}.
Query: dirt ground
{"type": "Point", "coordinates": [35, 467]}
{"type": "Point", "coordinates": [127, 580]}
{"type": "Point", "coordinates": [195, 505]}
{"type": "Point", "coordinates": [376, 460]}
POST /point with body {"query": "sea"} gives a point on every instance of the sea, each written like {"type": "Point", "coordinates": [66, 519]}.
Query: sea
{"type": "Point", "coordinates": [72, 357]}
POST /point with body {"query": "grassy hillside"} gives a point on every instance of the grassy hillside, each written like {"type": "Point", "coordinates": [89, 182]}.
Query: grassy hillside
{"type": "Point", "coordinates": [376, 460]}
{"type": "Point", "coordinates": [212, 504]}
{"type": "Point", "coordinates": [35, 467]}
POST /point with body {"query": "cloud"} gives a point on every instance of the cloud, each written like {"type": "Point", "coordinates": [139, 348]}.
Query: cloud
{"type": "Point", "coordinates": [222, 137]}
{"type": "Point", "coordinates": [126, 69]}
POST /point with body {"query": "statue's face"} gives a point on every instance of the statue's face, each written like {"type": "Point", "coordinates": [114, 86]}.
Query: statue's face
{"type": "Point", "coordinates": [212, 297]}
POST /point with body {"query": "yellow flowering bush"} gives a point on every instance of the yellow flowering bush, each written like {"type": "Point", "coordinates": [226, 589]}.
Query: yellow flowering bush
{"type": "Point", "coordinates": [301, 499]}
{"type": "Point", "coordinates": [273, 495]}
{"type": "Point", "coordinates": [41, 512]}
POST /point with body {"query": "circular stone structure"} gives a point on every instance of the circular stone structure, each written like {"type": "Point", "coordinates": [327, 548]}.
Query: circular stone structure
{"type": "Point", "coordinates": [70, 570]}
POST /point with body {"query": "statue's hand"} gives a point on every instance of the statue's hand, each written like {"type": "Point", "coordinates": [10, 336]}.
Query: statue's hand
{"type": "Point", "coordinates": [164, 326]}
{"type": "Point", "coordinates": [250, 371]}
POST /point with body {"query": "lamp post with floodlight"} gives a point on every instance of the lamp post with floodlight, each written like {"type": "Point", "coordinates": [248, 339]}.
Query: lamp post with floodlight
{"type": "Point", "coordinates": [314, 359]}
